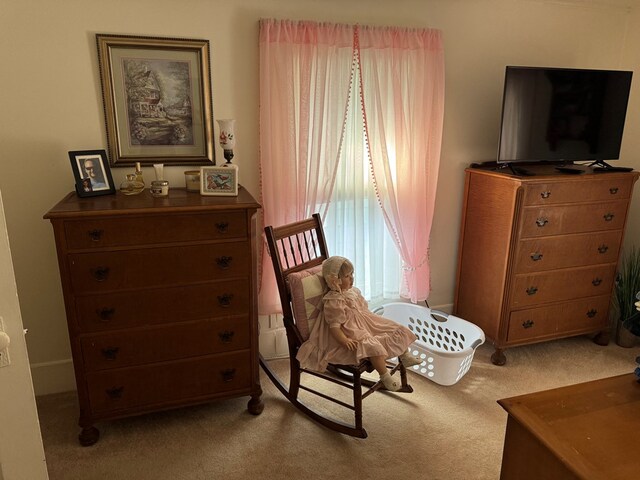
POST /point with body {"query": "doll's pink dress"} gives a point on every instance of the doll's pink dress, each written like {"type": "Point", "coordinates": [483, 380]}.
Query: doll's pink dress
{"type": "Point", "coordinates": [376, 335]}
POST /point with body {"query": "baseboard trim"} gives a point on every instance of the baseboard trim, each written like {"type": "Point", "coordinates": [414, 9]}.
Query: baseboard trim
{"type": "Point", "coordinates": [53, 377]}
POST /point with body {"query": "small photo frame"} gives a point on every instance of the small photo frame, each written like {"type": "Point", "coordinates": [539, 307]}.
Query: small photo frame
{"type": "Point", "coordinates": [222, 181]}
{"type": "Point", "coordinates": [92, 173]}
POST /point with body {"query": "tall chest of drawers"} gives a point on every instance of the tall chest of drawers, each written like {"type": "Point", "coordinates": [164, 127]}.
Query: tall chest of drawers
{"type": "Point", "coordinates": [538, 255]}
{"type": "Point", "coordinates": [160, 297]}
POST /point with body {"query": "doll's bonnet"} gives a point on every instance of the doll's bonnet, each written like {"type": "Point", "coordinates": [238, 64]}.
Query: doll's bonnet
{"type": "Point", "coordinates": [331, 269]}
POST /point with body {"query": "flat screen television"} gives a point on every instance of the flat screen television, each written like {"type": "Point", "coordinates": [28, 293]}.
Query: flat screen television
{"type": "Point", "coordinates": [563, 115]}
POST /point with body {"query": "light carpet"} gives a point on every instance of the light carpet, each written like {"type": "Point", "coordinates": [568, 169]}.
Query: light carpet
{"type": "Point", "coordinates": [437, 432]}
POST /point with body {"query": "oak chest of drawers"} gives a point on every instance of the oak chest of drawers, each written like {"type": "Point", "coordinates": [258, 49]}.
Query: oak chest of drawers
{"type": "Point", "coordinates": [538, 255]}
{"type": "Point", "coordinates": [160, 296]}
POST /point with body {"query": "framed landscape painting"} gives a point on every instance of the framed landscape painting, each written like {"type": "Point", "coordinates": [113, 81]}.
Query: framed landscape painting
{"type": "Point", "coordinates": [157, 100]}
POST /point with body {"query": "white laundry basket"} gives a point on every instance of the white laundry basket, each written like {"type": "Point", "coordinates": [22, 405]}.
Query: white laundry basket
{"type": "Point", "coordinates": [445, 344]}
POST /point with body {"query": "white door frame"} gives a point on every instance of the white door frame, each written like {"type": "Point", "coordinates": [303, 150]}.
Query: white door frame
{"type": "Point", "coordinates": [21, 449]}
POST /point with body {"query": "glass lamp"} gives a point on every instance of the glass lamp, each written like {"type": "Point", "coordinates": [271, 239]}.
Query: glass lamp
{"type": "Point", "coordinates": [227, 137]}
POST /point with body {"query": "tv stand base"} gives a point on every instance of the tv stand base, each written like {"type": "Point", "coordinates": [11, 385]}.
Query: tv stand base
{"type": "Point", "coordinates": [600, 166]}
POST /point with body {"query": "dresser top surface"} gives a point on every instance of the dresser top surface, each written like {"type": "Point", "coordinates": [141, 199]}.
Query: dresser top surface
{"type": "Point", "coordinates": [178, 201]}
{"type": "Point", "coordinates": [546, 173]}
{"type": "Point", "coordinates": [591, 426]}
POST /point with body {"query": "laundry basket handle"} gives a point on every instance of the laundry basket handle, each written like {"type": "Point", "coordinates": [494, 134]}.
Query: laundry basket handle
{"type": "Point", "coordinates": [436, 312]}
{"type": "Point", "coordinates": [439, 313]}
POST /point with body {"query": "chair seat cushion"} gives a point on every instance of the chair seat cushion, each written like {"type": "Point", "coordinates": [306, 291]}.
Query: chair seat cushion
{"type": "Point", "coordinates": [307, 289]}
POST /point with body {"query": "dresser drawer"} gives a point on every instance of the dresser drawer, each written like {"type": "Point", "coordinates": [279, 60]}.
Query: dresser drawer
{"type": "Point", "coordinates": [550, 253]}
{"type": "Point", "coordinates": [592, 217]}
{"type": "Point", "coordinates": [578, 190]}
{"type": "Point", "coordinates": [112, 311]}
{"type": "Point", "coordinates": [149, 345]}
{"type": "Point", "coordinates": [149, 267]}
{"type": "Point", "coordinates": [565, 284]}
{"type": "Point", "coordinates": [154, 229]}
{"type": "Point", "coordinates": [165, 383]}
{"type": "Point", "coordinates": [566, 318]}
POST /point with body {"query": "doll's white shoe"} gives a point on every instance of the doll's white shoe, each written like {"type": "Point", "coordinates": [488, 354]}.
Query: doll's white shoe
{"type": "Point", "coordinates": [409, 360]}
{"type": "Point", "coordinates": [390, 383]}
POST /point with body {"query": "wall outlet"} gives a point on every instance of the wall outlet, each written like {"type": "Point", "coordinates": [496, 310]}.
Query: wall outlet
{"type": "Point", "coordinates": [4, 342]}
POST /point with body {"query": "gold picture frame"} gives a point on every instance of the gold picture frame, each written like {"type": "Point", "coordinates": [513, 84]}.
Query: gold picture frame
{"type": "Point", "coordinates": [157, 100]}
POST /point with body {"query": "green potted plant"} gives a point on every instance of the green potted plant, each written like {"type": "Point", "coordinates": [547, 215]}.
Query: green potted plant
{"type": "Point", "coordinates": [626, 289]}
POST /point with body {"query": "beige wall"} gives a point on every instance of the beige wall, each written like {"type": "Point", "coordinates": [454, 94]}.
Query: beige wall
{"type": "Point", "coordinates": [631, 146]}
{"type": "Point", "coordinates": [50, 103]}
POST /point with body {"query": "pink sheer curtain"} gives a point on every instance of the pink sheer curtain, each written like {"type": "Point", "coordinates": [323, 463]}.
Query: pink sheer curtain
{"type": "Point", "coordinates": [402, 95]}
{"type": "Point", "coordinates": [307, 73]}
{"type": "Point", "coordinates": [305, 70]}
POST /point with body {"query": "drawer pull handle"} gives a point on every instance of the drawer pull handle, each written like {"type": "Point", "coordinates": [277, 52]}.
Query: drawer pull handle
{"type": "Point", "coordinates": [541, 222]}
{"type": "Point", "coordinates": [222, 227]}
{"type": "Point", "coordinates": [536, 256]}
{"type": "Point", "coordinates": [110, 353]}
{"type": "Point", "coordinates": [225, 299]}
{"type": "Point", "coordinates": [95, 235]}
{"type": "Point", "coordinates": [592, 313]}
{"type": "Point", "coordinates": [228, 374]}
{"type": "Point", "coordinates": [613, 190]}
{"type": "Point", "coordinates": [100, 274]}
{"type": "Point", "coordinates": [596, 281]}
{"type": "Point", "coordinates": [226, 336]}
{"type": "Point", "coordinates": [608, 217]}
{"type": "Point", "coordinates": [528, 324]}
{"type": "Point", "coordinates": [106, 314]}
{"type": "Point", "coordinates": [603, 248]}
{"type": "Point", "coordinates": [223, 262]}
{"type": "Point", "coordinates": [532, 290]}
{"type": "Point", "coordinates": [546, 194]}
{"type": "Point", "coordinates": [115, 392]}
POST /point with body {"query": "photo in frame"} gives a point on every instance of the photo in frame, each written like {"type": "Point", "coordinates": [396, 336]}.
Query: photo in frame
{"type": "Point", "coordinates": [157, 100]}
{"type": "Point", "coordinates": [91, 172]}
{"type": "Point", "coordinates": [221, 181]}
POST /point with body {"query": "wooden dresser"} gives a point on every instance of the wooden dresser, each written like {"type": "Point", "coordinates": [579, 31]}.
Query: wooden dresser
{"type": "Point", "coordinates": [538, 254]}
{"type": "Point", "coordinates": [160, 295]}
{"type": "Point", "coordinates": [583, 431]}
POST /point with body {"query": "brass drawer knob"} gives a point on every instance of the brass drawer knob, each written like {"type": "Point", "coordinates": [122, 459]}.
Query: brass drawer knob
{"type": "Point", "coordinates": [596, 281]}
{"type": "Point", "coordinates": [603, 248]}
{"type": "Point", "coordinates": [224, 300]}
{"type": "Point", "coordinates": [528, 324]}
{"type": "Point", "coordinates": [228, 374]}
{"type": "Point", "coordinates": [536, 257]}
{"type": "Point", "coordinates": [613, 190]}
{"type": "Point", "coordinates": [592, 313]}
{"type": "Point", "coordinates": [224, 262]}
{"type": "Point", "coordinates": [100, 274]}
{"type": "Point", "coordinates": [541, 222]}
{"type": "Point", "coordinates": [95, 235]}
{"type": "Point", "coordinates": [532, 290]}
{"type": "Point", "coordinates": [608, 217]}
{"type": "Point", "coordinates": [226, 336]}
{"type": "Point", "coordinates": [110, 353]}
{"type": "Point", "coordinates": [115, 392]}
{"type": "Point", "coordinates": [545, 194]}
{"type": "Point", "coordinates": [222, 227]}
{"type": "Point", "coordinates": [106, 314]}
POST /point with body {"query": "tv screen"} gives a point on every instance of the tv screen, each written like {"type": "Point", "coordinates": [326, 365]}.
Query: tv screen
{"type": "Point", "coordinates": [562, 115]}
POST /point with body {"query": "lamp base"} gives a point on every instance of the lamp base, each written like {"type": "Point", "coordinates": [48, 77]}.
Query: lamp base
{"type": "Point", "coordinates": [228, 155]}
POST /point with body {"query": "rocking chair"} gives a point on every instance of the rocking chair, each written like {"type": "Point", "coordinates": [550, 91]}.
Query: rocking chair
{"type": "Point", "coordinates": [297, 251]}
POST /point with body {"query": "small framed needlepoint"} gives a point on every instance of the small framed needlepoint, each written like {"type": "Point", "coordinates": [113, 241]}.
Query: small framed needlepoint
{"type": "Point", "coordinates": [221, 181]}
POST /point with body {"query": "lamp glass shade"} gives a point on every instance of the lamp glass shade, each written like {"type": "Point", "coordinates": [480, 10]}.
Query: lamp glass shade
{"type": "Point", "coordinates": [227, 136]}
